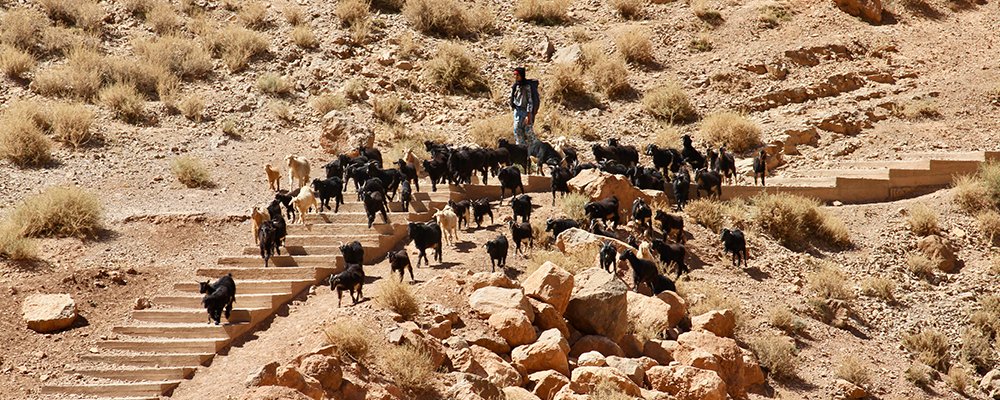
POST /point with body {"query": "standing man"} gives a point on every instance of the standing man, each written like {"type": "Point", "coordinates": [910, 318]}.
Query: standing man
{"type": "Point", "coordinates": [524, 103]}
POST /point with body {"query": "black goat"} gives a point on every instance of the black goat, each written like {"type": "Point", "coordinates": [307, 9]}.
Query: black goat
{"type": "Point", "coordinates": [708, 181]}
{"type": "Point", "coordinates": [760, 167]}
{"type": "Point", "coordinates": [581, 167]}
{"type": "Point", "coordinates": [352, 279]}
{"type": "Point", "coordinates": [405, 195]}
{"type": "Point", "coordinates": [520, 232]}
{"type": "Point", "coordinates": [334, 169]}
{"type": "Point", "coordinates": [713, 159]}
{"type": "Point", "coordinates": [285, 197]}
{"type": "Point", "coordinates": [390, 178]}
{"type": "Point", "coordinates": [480, 209]}
{"type": "Point", "coordinates": [734, 242]}
{"type": "Point", "coordinates": [462, 210]}
{"type": "Point", "coordinates": [374, 185]}
{"type": "Point", "coordinates": [329, 188]}
{"type": "Point", "coordinates": [613, 167]}
{"type": "Point", "coordinates": [495, 158]}
{"type": "Point", "coordinates": [557, 226]}
{"type": "Point", "coordinates": [671, 253]}
{"type": "Point", "coordinates": [670, 223]}
{"type": "Point", "coordinates": [510, 178]}
{"type": "Point", "coordinates": [399, 261]}
{"type": "Point", "coordinates": [646, 178]}
{"type": "Point", "coordinates": [374, 204]}
{"type": "Point", "coordinates": [267, 237]}
{"type": "Point", "coordinates": [521, 206]}
{"type": "Point", "coordinates": [606, 210]}
{"type": "Point", "coordinates": [462, 163]}
{"type": "Point", "coordinates": [560, 181]}
{"type": "Point", "coordinates": [682, 188]}
{"type": "Point", "coordinates": [642, 215]}
{"type": "Point", "coordinates": [570, 158]}
{"type": "Point", "coordinates": [643, 271]}
{"type": "Point", "coordinates": [543, 154]}
{"type": "Point", "coordinates": [372, 154]}
{"type": "Point", "coordinates": [727, 165]}
{"type": "Point", "coordinates": [354, 252]}
{"type": "Point", "coordinates": [661, 283]}
{"type": "Point", "coordinates": [608, 255]}
{"type": "Point", "coordinates": [518, 153]}
{"type": "Point", "coordinates": [219, 297]}
{"type": "Point", "coordinates": [425, 236]}
{"type": "Point", "coordinates": [666, 160]}
{"type": "Point", "coordinates": [409, 172]}
{"type": "Point", "coordinates": [691, 155]}
{"type": "Point", "coordinates": [625, 155]}
{"type": "Point", "coordinates": [358, 172]}
{"type": "Point", "coordinates": [437, 170]}
{"type": "Point", "coordinates": [435, 148]}
{"type": "Point", "coordinates": [497, 249]}
{"type": "Point", "coordinates": [598, 228]}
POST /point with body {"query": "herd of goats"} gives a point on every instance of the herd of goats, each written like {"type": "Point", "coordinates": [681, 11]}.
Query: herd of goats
{"type": "Point", "coordinates": [376, 186]}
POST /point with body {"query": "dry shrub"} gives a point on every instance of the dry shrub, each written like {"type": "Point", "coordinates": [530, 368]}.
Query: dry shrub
{"type": "Point", "coordinates": [253, 15]}
{"type": "Point", "coordinates": [777, 353]}
{"type": "Point", "coordinates": [879, 287]}
{"type": "Point", "coordinates": [566, 85]}
{"type": "Point", "coordinates": [668, 137]}
{"type": "Point", "coordinates": [294, 15]}
{"type": "Point", "coordinates": [989, 176]}
{"type": "Point", "coordinates": [700, 44]}
{"type": "Point", "coordinates": [977, 350]}
{"type": "Point", "coordinates": [703, 297]}
{"type": "Point", "coordinates": [304, 37]}
{"type": "Point", "coordinates": [794, 220]}
{"type": "Point", "coordinates": [922, 220]}
{"type": "Point", "coordinates": [482, 19]}
{"type": "Point", "coordinates": [273, 85]}
{"type": "Point", "coordinates": [126, 102]}
{"type": "Point", "coordinates": [629, 9]}
{"type": "Point", "coordinates": [355, 89]}
{"type": "Point", "coordinates": [853, 370]}
{"type": "Point", "coordinates": [706, 12]}
{"type": "Point", "coordinates": [236, 45]}
{"type": "Point", "coordinates": [920, 374]}
{"type": "Point", "coordinates": [22, 142]}
{"type": "Point", "coordinates": [514, 50]}
{"type": "Point", "coordinates": [989, 223]}
{"type": "Point", "coordinates": [773, 14]}
{"type": "Point", "coordinates": [58, 212]}
{"type": "Point", "coordinates": [352, 12]}
{"type": "Point", "coordinates": [669, 103]}
{"type": "Point", "coordinates": [192, 107]}
{"type": "Point", "coordinates": [486, 131]}
{"type": "Point", "coordinates": [733, 130]}
{"type": "Point", "coordinates": [607, 390]}
{"type": "Point", "coordinates": [389, 6]}
{"type": "Point", "coordinates": [610, 77]}
{"type": "Point", "coordinates": [350, 338]}
{"type": "Point", "coordinates": [163, 18]}
{"type": "Point", "coordinates": [987, 318]}
{"type": "Point", "coordinates": [785, 320]}
{"type": "Point", "coordinates": [634, 45]}
{"type": "Point", "coordinates": [70, 123]}
{"type": "Point", "coordinates": [930, 347]}
{"type": "Point", "coordinates": [453, 70]}
{"type": "Point", "coordinates": [229, 128]}
{"type": "Point", "coordinates": [15, 247]}
{"type": "Point", "coordinates": [574, 262]}
{"type": "Point", "coordinates": [971, 195]}
{"type": "Point", "coordinates": [328, 102]}
{"type": "Point", "coordinates": [829, 282]}
{"type": "Point", "coordinates": [23, 28]}
{"type": "Point", "coordinates": [83, 14]}
{"type": "Point", "coordinates": [282, 111]}
{"type": "Point", "coordinates": [958, 379]}
{"type": "Point", "coordinates": [191, 172]}
{"type": "Point", "coordinates": [81, 77]}
{"type": "Point", "coordinates": [444, 18]}
{"type": "Point", "coordinates": [408, 366]}
{"type": "Point", "coordinates": [708, 213]}
{"type": "Point", "coordinates": [407, 47]}
{"type": "Point", "coordinates": [397, 297]}
{"type": "Point", "coordinates": [921, 266]}
{"type": "Point", "coordinates": [572, 206]}
{"type": "Point", "coordinates": [388, 108]}
{"type": "Point", "coordinates": [15, 62]}
{"type": "Point", "coordinates": [542, 12]}
{"type": "Point", "coordinates": [182, 57]}
{"type": "Point", "coordinates": [918, 109]}
{"type": "Point", "coordinates": [555, 124]}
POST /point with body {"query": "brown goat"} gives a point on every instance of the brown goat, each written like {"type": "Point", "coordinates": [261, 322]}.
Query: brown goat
{"type": "Point", "coordinates": [273, 178]}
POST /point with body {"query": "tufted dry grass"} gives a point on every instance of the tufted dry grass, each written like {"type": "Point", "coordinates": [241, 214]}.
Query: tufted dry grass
{"type": "Point", "coordinates": [778, 354]}
{"type": "Point", "coordinates": [191, 172]}
{"type": "Point", "coordinates": [853, 370]}
{"type": "Point", "coordinates": [930, 347]}
{"type": "Point", "coordinates": [668, 102]}
{"type": "Point", "coordinates": [634, 44]}
{"type": "Point", "coordinates": [922, 220]}
{"type": "Point", "coordinates": [543, 12]}
{"type": "Point", "coordinates": [22, 141]}
{"type": "Point", "coordinates": [454, 70]}
{"type": "Point", "coordinates": [397, 297]}
{"type": "Point", "coordinates": [733, 130]}
{"type": "Point", "coordinates": [60, 211]}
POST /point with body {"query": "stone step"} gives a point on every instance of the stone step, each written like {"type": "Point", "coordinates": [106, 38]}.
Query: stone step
{"type": "Point", "coordinates": [298, 241]}
{"type": "Point", "coordinates": [259, 272]}
{"type": "Point", "coordinates": [194, 315]}
{"type": "Point", "coordinates": [254, 286]}
{"type": "Point", "coordinates": [353, 206]}
{"type": "Point", "coordinates": [193, 300]}
{"type": "Point", "coordinates": [282, 261]}
{"type": "Point", "coordinates": [351, 218]}
{"type": "Point", "coordinates": [183, 330]}
{"type": "Point", "coordinates": [138, 374]}
{"type": "Point", "coordinates": [879, 173]}
{"type": "Point", "coordinates": [797, 181]}
{"type": "Point", "coordinates": [353, 228]}
{"type": "Point", "coordinates": [200, 345]}
{"type": "Point", "coordinates": [330, 249]}
{"type": "Point", "coordinates": [150, 360]}
{"type": "Point", "coordinates": [135, 389]}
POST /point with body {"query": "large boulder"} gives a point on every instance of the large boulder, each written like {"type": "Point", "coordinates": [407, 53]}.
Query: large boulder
{"type": "Point", "coordinates": [518, 393]}
{"type": "Point", "coordinates": [547, 317]}
{"type": "Point", "coordinates": [937, 248]}
{"type": "Point", "coordinates": [687, 383]}
{"type": "Point", "coordinates": [46, 313]}
{"type": "Point", "coordinates": [471, 387]}
{"type": "Point", "coordinates": [678, 307]}
{"type": "Point", "coordinates": [720, 322]}
{"type": "Point", "coordinates": [490, 300]}
{"type": "Point", "coordinates": [324, 369]}
{"type": "Point", "coordinates": [868, 10]}
{"type": "Point", "coordinates": [586, 379]}
{"type": "Point", "coordinates": [545, 384]}
{"type": "Point", "coordinates": [481, 361]}
{"type": "Point", "coordinates": [551, 284]}
{"type": "Point", "coordinates": [342, 135]}
{"type": "Point", "coordinates": [568, 55]}
{"type": "Point", "coordinates": [647, 313]}
{"type": "Point", "coordinates": [598, 304]}
{"type": "Point", "coordinates": [722, 355]}
{"type": "Point", "coordinates": [266, 375]}
{"type": "Point", "coordinates": [598, 184]}
{"type": "Point", "coordinates": [487, 339]}
{"type": "Point", "coordinates": [483, 279]}
{"type": "Point", "coordinates": [550, 351]}
{"type": "Point", "coordinates": [660, 350]}
{"type": "Point", "coordinates": [513, 326]}
{"type": "Point", "coordinates": [290, 377]}
{"type": "Point", "coordinates": [633, 368]}
{"type": "Point", "coordinates": [600, 344]}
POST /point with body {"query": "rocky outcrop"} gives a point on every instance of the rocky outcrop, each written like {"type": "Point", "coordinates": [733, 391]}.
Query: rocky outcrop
{"type": "Point", "coordinates": [938, 249]}
{"type": "Point", "coordinates": [490, 300]}
{"type": "Point", "coordinates": [546, 317]}
{"type": "Point", "coordinates": [706, 351]}
{"type": "Point", "coordinates": [551, 284]}
{"type": "Point", "coordinates": [719, 322]}
{"type": "Point", "coordinates": [868, 10]}
{"type": "Point", "coordinates": [597, 184]}
{"type": "Point", "coordinates": [483, 279]}
{"type": "Point", "coordinates": [549, 352]}
{"type": "Point", "coordinates": [586, 379]}
{"type": "Point", "coordinates": [633, 368]}
{"type": "Point", "coordinates": [46, 313]}
{"type": "Point", "coordinates": [598, 304]}
{"type": "Point", "coordinates": [545, 384]}
{"type": "Point", "coordinates": [597, 343]}
{"type": "Point", "coordinates": [513, 326]}
{"type": "Point", "coordinates": [687, 383]}
{"type": "Point", "coordinates": [342, 135]}
{"type": "Point", "coordinates": [648, 313]}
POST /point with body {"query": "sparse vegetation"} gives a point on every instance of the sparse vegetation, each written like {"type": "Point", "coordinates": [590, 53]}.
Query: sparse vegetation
{"type": "Point", "coordinates": [388, 108]}
{"type": "Point", "coordinates": [610, 77]}
{"type": "Point", "coordinates": [566, 85]}
{"type": "Point", "coordinates": [989, 223]}
{"type": "Point", "coordinates": [325, 103]}
{"type": "Point", "coordinates": [794, 220]}
{"type": "Point", "coordinates": [282, 111]}
{"type": "Point", "coordinates": [273, 85]}
{"type": "Point", "coordinates": [486, 131]}
{"type": "Point", "coordinates": [574, 262]}
{"type": "Point", "coordinates": [853, 370]}
{"type": "Point", "coordinates": [355, 89]}
{"type": "Point", "coordinates": [707, 213]}
{"type": "Point", "coordinates": [703, 297]}
{"type": "Point", "coordinates": [352, 12]}
{"type": "Point", "coordinates": [777, 353]}
{"type": "Point", "coordinates": [22, 142]}
{"type": "Point", "coordinates": [253, 14]}
{"type": "Point", "coordinates": [162, 17]}
{"type": "Point", "coordinates": [23, 28]}
{"type": "Point", "coordinates": [918, 109]}
{"type": "Point", "coordinates": [553, 123]}
{"type": "Point", "coordinates": [733, 130]}
{"type": "Point", "coordinates": [58, 212]}
{"type": "Point", "coordinates": [542, 12]}
{"type": "Point", "coordinates": [773, 14]}
{"type": "Point", "coordinates": [920, 374]}
{"type": "Point", "coordinates": [444, 18]}
{"type": "Point", "coordinates": [407, 47]}
{"type": "Point", "coordinates": [667, 136]}
{"type": "Point", "coordinates": [70, 123]}
{"type": "Point", "coordinates": [958, 379]}
{"type": "Point", "coordinates": [572, 206]}
{"type": "Point", "coordinates": [706, 12]}
{"type": "Point", "coordinates": [191, 172]}
{"type": "Point", "coordinates": [785, 320]}
{"type": "Point", "coordinates": [192, 107]}
{"type": "Point", "coordinates": [183, 57]}
{"type": "Point", "coordinates": [304, 37]}
{"type": "Point", "coordinates": [977, 350]}
{"type": "Point", "coordinates": [15, 62]}
{"type": "Point", "coordinates": [15, 247]}
{"type": "Point", "coordinates": [700, 44]}
{"type": "Point", "coordinates": [126, 102]}
{"type": "Point", "coordinates": [453, 70]}
{"type": "Point", "coordinates": [879, 287]}
{"type": "Point", "coordinates": [629, 9]}
{"type": "Point", "coordinates": [930, 347]}
{"type": "Point", "coordinates": [350, 338]}
{"type": "Point", "coordinates": [971, 195]}
{"type": "Point", "coordinates": [236, 45]}
{"type": "Point", "coordinates": [829, 282]}
{"type": "Point", "coordinates": [294, 15]}
{"type": "Point", "coordinates": [921, 266]}
{"type": "Point", "coordinates": [408, 366]}
{"type": "Point", "coordinates": [922, 220]}
{"type": "Point", "coordinates": [606, 390]}
{"type": "Point", "coordinates": [669, 102]}
{"type": "Point", "coordinates": [83, 14]}
{"type": "Point", "coordinates": [397, 297]}
{"type": "Point", "coordinates": [634, 45]}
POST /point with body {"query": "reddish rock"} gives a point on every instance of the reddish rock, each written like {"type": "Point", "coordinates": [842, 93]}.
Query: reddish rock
{"type": "Point", "coordinates": [598, 305]}
{"type": "Point", "coordinates": [549, 352]}
{"type": "Point", "coordinates": [720, 322]}
{"type": "Point", "coordinates": [868, 10]}
{"type": "Point", "coordinates": [547, 317]}
{"type": "Point", "coordinates": [596, 343]}
{"type": "Point", "coordinates": [662, 351]}
{"type": "Point", "coordinates": [545, 384]}
{"type": "Point", "coordinates": [722, 355]}
{"type": "Point", "coordinates": [687, 383]}
{"type": "Point", "coordinates": [324, 369]}
{"type": "Point", "coordinates": [489, 300]}
{"type": "Point", "coordinates": [937, 248]}
{"type": "Point", "coordinates": [513, 326]}
{"type": "Point", "coordinates": [586, 379]}
{"type": "Point", "coordinates": [551, 284]}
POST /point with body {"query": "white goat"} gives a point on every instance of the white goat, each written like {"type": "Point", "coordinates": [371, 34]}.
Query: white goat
{"type": "Point", "coordinates": [302, 202]}
{"type": "Point", "coordinates": [298, 170]}
{"type": "Point", "coordinates": [448, 221]}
